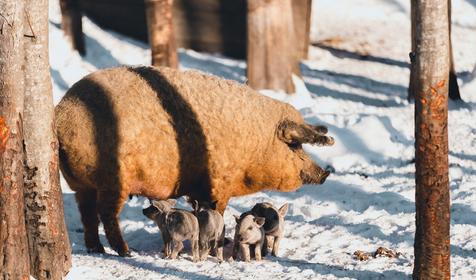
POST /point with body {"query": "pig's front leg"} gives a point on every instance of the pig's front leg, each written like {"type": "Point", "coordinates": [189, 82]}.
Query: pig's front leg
{"type": "Point", "coordinates": [245, 252]}
{"type": "Point", "coordinates": [258, 248]}
{"type": "Point", "coordinates": [167, 243]}
{"type": "Point", "coordinates": [277, 239]}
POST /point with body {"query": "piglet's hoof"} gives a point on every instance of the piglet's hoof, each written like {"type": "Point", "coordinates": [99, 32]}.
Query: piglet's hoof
{"type": "Point", "coordinates": [99, 249]}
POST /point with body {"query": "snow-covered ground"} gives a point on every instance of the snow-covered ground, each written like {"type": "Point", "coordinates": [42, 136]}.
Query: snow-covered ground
{"type": "Point", "coordinates": [355, 83]}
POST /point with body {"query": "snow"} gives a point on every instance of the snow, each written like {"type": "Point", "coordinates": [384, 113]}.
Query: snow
{"type": "Point", "coordinates": [355, 83]}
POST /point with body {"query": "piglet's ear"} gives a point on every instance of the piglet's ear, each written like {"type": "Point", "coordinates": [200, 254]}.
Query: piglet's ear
{"type": "Point", "coordinates": [237, 218]}
{"type": "Point", "coordinates": [283, 210]}
{"type": "Point", "coordinates": [259, 221]}
{"type": "Point", "coordinates": [213, 205]}
{"type": "Point", "coordinates": [171, 202]}
{"type": "Point", "coordinates": [195, 205]}
{"type": "Point", "coordinates": [293, 133]}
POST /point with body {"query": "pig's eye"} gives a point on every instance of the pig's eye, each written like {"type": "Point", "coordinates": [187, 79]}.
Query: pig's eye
{"type": "Point", "coordinates": [250, 228]}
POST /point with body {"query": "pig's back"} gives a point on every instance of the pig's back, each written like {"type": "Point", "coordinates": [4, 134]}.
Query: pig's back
{"type": "Point", "coordinates": [150, 130]}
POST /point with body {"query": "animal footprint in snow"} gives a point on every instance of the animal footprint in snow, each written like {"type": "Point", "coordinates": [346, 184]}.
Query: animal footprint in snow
{"type": "Point", "coordinates": [385, 252]}
{"type": "Point", "coordinates": [361, 255]}
{"type": "Point", "coordinates": [380, 252]}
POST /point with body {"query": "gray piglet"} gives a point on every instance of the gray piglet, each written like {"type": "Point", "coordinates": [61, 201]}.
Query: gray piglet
{"type": "Point", "coordinates": [212, 229]}
{"type": "Point", "coordinates": [249, 235]}
{"type": "Point", "coordinates": [273, 225]}
{"type": "Point", "coordinates": [176, 225]}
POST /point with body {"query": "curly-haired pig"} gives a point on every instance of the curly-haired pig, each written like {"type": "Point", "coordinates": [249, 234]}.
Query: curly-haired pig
{"type": "Point", "coordinates": [212, 229]}
{"type": "Point", "coordinates": [176, 225]}
{"type": "Point", "coordinates": [162, 133]}
{"type": "Point", "coordinates": [273, 225]}
{"type": "Point", "coordinates": [249, 235]}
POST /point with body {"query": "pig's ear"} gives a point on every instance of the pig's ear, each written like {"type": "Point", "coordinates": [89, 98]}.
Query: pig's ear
{"type": "Point", "coordinates": [259, 221]}
{"type": "Point", "coordinates": [195, 205]}
{"type": "Point", "coordinates": [237, 218]}
{"type": "Point", "coordinates": [156, 203]}
{"type": "Point", "coordinates": [293, 134]}
{"type": "Point", "coordinates": [213, 205]}
{"type": "Point", "coordinates": [283, 210]}
{"type": "Point", "coordinates": [171, 202]}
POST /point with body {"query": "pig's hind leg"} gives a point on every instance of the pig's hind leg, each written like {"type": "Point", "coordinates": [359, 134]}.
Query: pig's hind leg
{"type": "Point", "coordinates": [86, 200]}
{"type": "Point", "coordinates": [110, 205]}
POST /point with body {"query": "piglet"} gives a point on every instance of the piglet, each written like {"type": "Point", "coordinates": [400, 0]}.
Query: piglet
{"type": "Point", "coordinates": [273, 225]}
{"type": "Point", "coordinates": [176, 225]}
{"type": "Point", "coordinates": [249, 234]}
{"type": "Point", "coordinates": [212, 229]}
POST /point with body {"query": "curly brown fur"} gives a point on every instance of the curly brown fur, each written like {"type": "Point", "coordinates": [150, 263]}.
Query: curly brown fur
{"type": "Point", "coordinates": [161, 133]}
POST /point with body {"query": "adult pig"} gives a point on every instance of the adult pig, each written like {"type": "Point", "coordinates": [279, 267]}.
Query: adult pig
{"type": "Point", "coordinates": [162, 133]}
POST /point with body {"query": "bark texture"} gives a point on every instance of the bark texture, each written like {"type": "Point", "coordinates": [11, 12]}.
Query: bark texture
{"type": "Point", "coordinates": [271, 51]}
{"type": "Point", "coordinates": [432, 64]}
{"type": "Point", "coordinates": [14, 260]}
{"type": "Point", "coordinates": [161, 32]}
{"type": "Point", "coordinates": [50, 252]}
{"type": "Point", "coordinates": [71, 23]}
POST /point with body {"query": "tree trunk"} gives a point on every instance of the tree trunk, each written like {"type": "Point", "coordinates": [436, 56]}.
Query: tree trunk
{"type": "Point", "coordinates": [14, 260]}
{"type": "Point", "coordinates": [302, 26]}
{"type": "Point", "coordinates": [432, 64]}
{"type": "Point", "coordinates": [271, 52]}
{"type": "Point", "coordinates": [453, 84]}
{"type": "Point", "coordinates": [50, 252]}
{"type": "Point", "coordinates": [71, 23]}
{"type": "Point", "coordinates": [161, 32]}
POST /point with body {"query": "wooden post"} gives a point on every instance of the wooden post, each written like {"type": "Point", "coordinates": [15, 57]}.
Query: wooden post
{"type": "Point", "coordinates": [271, 50]}
{"type": "Point", "coordinates": [432, 65]}
{"type": "Point", "coordinates": [161, 32]}
{"type": "Point", "coordinates": [71, 23]}
{"type": "Point", "coordinates": [14, 259]}
{"type": "Point", "coordinates": [302, 25]}
{"type": "Point", "coordinates": [50, 252]}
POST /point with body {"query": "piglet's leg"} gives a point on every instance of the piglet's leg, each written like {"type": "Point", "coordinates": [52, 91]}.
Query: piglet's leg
{"type": "Point", "coordinates": [110, 205]}
{"type": "Point", "coordinates": [269, 243]}
{"type": "Point", "coordinates": [175, 249]}
{"type": "Point", "coordinates": [167, 245]}
{"type": "Point", "coordinates": [195, 250]}
{"type": "Point", "coordinates": [258, 252]}
{"type": "Point", "coordinates": [219, 245]}
{"type": "Point", "coordinates": [277, 239]}
{"type": "Point", "coordinates": [245, 252]}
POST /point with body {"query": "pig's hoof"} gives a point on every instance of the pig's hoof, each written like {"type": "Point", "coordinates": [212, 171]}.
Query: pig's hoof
{"type": "Point", "coordinates": [99, 249]}
{"type": "Point", "coordinates": [324, 177]}
{"type": "Point", "coordinates": [126, 254]}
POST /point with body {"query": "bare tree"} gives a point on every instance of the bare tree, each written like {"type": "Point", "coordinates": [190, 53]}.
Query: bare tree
{"type": "Point", "coordinates": [50, 252]}
{"type": "Point", "coordinates": [161, 32]}
{"type": "Point", "coordinates": [432, 65]}
{"type": "Point", "coordinates": [71, 23]}
{"type": "Point", "coordinates": [14, 260]}
{"type": "Point", "coordinates": [272, 55]}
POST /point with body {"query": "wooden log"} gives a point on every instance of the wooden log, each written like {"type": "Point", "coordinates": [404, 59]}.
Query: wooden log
{"type": "Point", "coordinates": [71, 23]}
{"type": "Point", "coordinates": [161, 32]}
{"type": "Point", "coordinates": [271, 53]}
